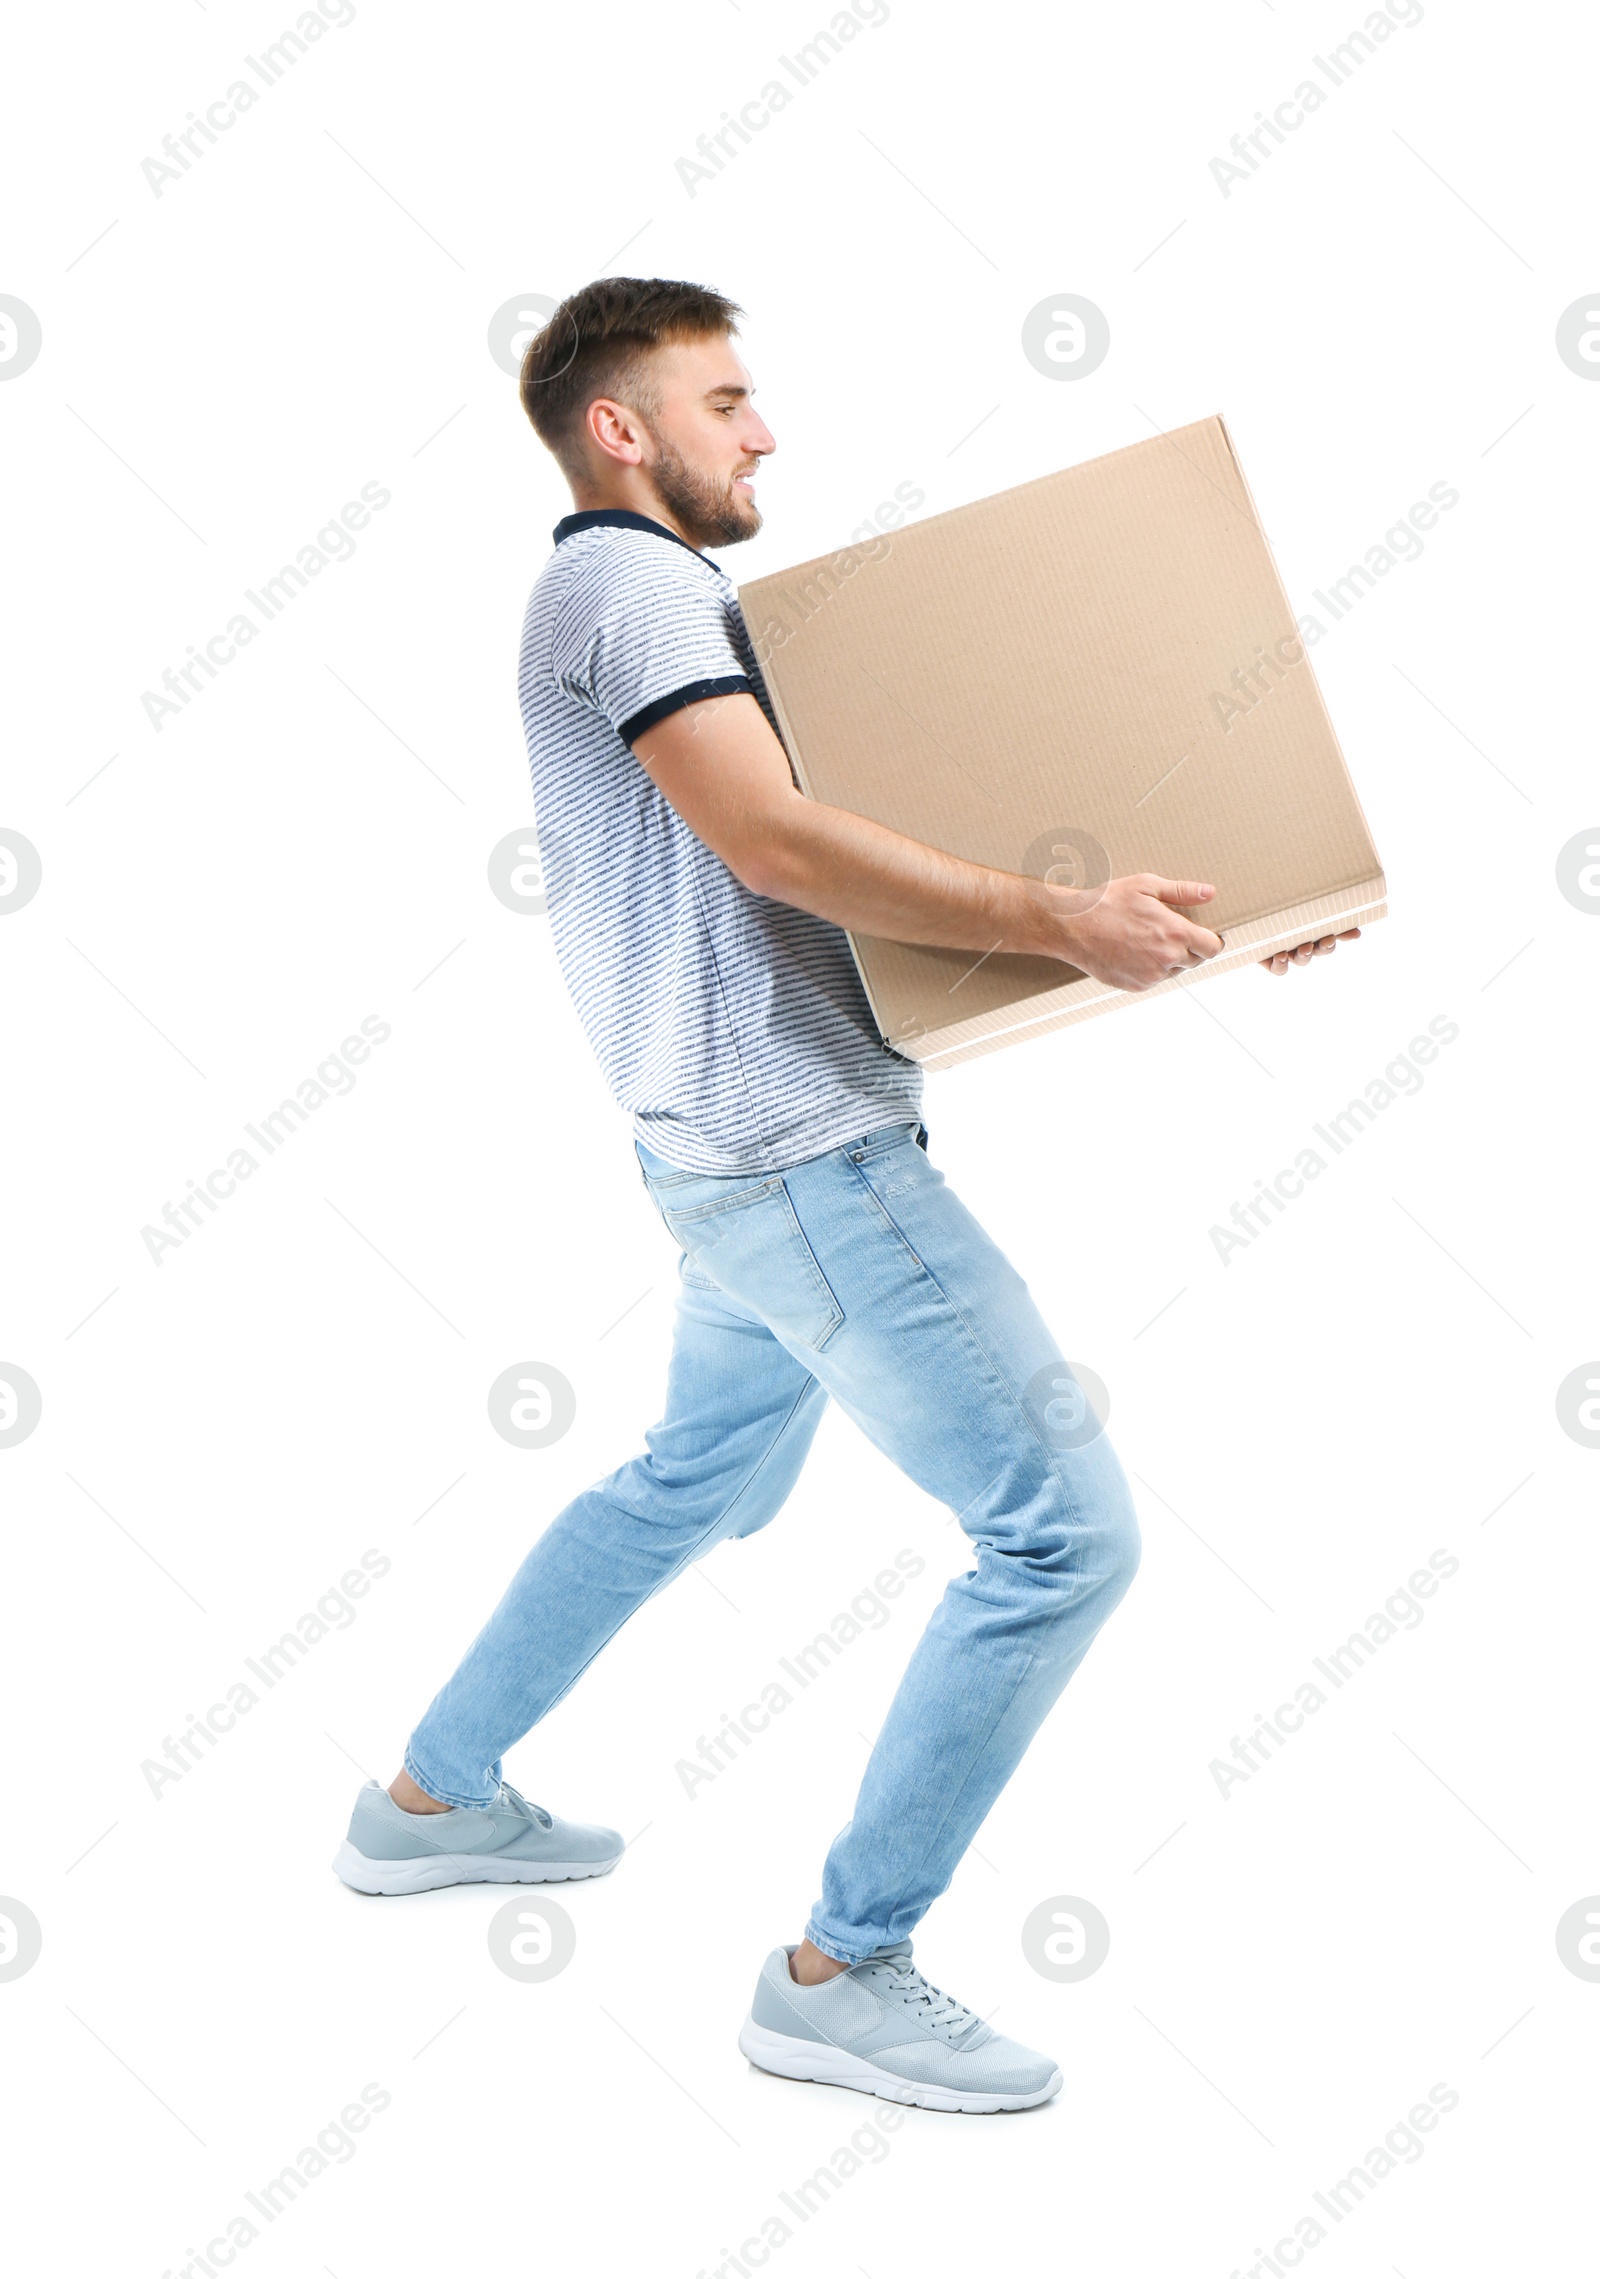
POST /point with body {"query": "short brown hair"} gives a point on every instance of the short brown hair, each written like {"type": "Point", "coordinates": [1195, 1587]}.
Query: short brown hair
{"type": "Point", "coordinates": [598, 343]}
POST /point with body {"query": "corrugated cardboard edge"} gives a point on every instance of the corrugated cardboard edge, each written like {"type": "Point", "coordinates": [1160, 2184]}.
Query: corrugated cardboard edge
{"type": "Point", "coordinates": [1082, 999]}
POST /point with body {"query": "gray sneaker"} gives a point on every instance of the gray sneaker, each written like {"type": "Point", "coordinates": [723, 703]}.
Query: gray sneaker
{"type": "Point", "coordinates": [882, 2028]}
{"type": "Point", "coordinates": [508, 1841]}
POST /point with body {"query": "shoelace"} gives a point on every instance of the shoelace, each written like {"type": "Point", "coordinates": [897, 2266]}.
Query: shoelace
{"type": "Point", "coordinates": [519, 1803]}
{"type": "Point", "coordinates": [914, 1989]}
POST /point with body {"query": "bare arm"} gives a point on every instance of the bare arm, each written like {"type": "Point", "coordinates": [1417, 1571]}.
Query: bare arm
{"type": "Point", "coordinates": [722, 768]}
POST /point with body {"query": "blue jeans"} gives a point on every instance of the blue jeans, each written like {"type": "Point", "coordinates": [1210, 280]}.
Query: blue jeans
{"type": "Point", "coordinates": [857, 1274]}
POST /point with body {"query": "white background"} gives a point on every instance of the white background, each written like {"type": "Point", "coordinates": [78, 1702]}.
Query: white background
{"type": "Point", "coordinates": [223, 1434]}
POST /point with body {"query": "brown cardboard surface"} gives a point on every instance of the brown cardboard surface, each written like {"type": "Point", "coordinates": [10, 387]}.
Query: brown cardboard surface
{"type": "Point", "coordinates": [1052, 668]}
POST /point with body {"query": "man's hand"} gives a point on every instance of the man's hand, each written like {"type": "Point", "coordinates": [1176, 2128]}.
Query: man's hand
{"type": "Point", "coordinates": [1281, 960]}
{"type": "Point", "coordinates": [1132, 933]}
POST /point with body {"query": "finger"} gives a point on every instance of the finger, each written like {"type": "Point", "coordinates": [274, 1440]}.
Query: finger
{"type": "Point", "coordinates": [1198, 940]}
{"type": "Point", "coordinates": [1180, 893]}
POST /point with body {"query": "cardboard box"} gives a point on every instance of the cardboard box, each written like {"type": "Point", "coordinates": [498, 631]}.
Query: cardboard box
{"type": "Point", "coordinates": [1093, 674]}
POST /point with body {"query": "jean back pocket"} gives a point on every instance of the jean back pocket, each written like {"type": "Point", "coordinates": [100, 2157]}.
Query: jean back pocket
{"type": "Point", "coordinates": [752, 1245]}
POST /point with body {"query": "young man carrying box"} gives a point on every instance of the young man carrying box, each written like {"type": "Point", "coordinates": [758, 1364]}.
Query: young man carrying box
{"type": "Point", "coordinates": [700, 927]}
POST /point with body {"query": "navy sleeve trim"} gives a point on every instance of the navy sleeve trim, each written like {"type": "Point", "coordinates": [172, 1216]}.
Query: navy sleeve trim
{"type": "Point", "coordinates": [731, 684]}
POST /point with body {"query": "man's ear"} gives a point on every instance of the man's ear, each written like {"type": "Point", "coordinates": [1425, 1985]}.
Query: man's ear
{"type": "Point", "coordinates": [614, 431]}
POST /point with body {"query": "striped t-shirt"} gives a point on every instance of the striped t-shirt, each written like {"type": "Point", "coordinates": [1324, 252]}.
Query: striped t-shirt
{"type": "Point", "coordinates": [733, 1026]}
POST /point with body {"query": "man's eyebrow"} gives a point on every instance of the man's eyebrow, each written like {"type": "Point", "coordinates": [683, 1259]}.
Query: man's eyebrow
{"type": "Point", "coordinates": [728, 388]}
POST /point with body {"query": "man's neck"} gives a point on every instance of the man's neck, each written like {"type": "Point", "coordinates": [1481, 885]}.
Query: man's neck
{"type": "Point", "coordinates": [586, 500]}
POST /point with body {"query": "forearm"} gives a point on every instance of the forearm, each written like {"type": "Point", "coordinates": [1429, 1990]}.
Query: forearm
{"type": "Point", "coordinates": [870, 880]}
{"type": "Point", "coordinates": [718, 763]}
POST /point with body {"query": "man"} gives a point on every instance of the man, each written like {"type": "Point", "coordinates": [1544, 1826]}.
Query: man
{"type": "Point", "coordinates": [697, 903]}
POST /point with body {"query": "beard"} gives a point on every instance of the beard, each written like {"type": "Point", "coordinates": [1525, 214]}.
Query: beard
{"type": "Point", "coordinates": [714, 514]}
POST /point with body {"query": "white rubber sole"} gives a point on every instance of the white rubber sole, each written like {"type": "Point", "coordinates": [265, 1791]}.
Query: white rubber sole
{"type": "Point", "coordinates": [799, 2060]}
{"type": "Point", "coordinates": [390, 1879]}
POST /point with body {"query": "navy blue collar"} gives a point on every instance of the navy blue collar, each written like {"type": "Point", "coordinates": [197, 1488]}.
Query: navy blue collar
{"type": "Point", "coordinates": [623, 518]}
